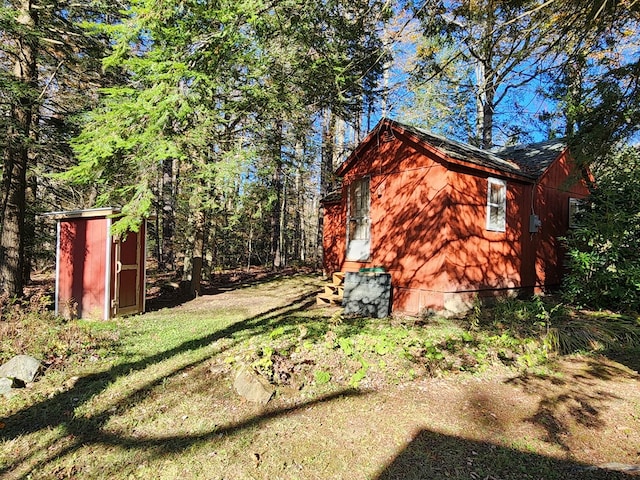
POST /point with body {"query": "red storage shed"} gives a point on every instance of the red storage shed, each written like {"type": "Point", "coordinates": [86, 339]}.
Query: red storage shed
{"type": "Point", "coordinates": [450, 222]}
{"type": "Point", "coordinates": [98, 275]}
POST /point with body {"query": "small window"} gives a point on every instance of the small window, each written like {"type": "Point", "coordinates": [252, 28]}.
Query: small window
{"type": "Point", "coordinates": [359, 231]}
{"type": "Point", "coordinates": [575, 207]}
{"type": "Point", "coordinates": [496, 205]}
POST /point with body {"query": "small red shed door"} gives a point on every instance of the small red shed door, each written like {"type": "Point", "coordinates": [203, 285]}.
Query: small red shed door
{"type": "Point", "coordinates": [129, 273]}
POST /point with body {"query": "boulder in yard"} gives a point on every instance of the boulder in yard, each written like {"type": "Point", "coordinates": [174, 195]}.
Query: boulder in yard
{"type": "Point", "coordinates": [252, 386]}
{"type": "Point", "coordinates": [6, 384]}
{"type": "Point", "coordinates": [24, 368]}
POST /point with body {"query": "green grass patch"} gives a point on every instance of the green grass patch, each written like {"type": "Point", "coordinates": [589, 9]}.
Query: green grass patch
{"type": "Point", "coordinates": [152, 395]}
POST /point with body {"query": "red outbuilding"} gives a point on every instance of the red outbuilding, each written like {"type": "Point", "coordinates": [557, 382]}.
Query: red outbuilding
{"type": "Point", "coordinates": [98, 275]}
{"type": "Point", "coordinates": [448, 221]}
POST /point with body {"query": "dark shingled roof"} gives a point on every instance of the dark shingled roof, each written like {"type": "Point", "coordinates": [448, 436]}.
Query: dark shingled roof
{"type": "Point", "coordinates": [468, 153]}
{"type": "Point", "coordinates": [527, 160]}
{"type": "Point", "coordinates": [332, 197]}
{"type": "Point", "coordinates": [535, 157]}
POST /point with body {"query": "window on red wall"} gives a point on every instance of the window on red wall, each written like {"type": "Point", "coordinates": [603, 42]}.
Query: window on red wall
{"type": "Point", "coordinates": [359, 231]}
{"type": "Point", "coordinates": [496, 204]}
{"type": "Point", "coordinates": [575, 207]}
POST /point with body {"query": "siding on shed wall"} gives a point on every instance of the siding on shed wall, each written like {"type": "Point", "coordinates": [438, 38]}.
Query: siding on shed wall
{"type": "Point", "coordinates": [478, 259]}
{"type": "Point", "coordinates": [333, 237]}
{"type": "Point", "coordinates": [82, 266]}
{"type": "Point", "coordinates": [408, 192]}
{"type": "Point", "coordinates": [428, 227]}
{"type": "Point", "coordinates": [529, 240]}
{"type": "Point", "coordinates": [559, 183]}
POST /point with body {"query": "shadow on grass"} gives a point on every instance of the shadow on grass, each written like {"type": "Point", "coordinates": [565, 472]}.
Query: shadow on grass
{"type": "Point", "coordinates": [57, 410]}
{"type": "Point", "coordinates": [577, 392]}
{"type": "Point", "coordinates": [629, 357]}
{"type": "Point", "coordinates": [434, 456]}
{"type": "Point", "coordinates": [88, 431]}
{"type": "Point", "coordinates": [425, 457]}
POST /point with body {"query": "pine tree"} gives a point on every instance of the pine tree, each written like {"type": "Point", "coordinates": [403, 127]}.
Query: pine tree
{"type": "Point", "coordinates": [44, 55]}
{"type": "Point", "coordinates": [596, 82]}
{"type": "Point", "coordinates": [203, 83]}
{"type": "Point", "coordinates": [473, 62]}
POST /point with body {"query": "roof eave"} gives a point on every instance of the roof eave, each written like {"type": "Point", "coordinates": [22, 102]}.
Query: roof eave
{"type": "Point", "coordinates": [353, 157]}
{"type": "Point", "coordinates": [463, 163]}
{"type": "Point", "coordinates": [400, 129]}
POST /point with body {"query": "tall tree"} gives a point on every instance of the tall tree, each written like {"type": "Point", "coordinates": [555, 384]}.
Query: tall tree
{"type": "Point", "coordinates": [596, 78]}
{"type": "Point", "coordinates": [480, 54]}
{"type": "Point", "coordinates": [206, 79]}
{"type": "Point", "coordinates": [483, 67]}
{"type": "Point", "coordinates": [44, 55]}
{"type": "Point", "coordinates": [16, 156]}
{"type": "Point", "coordinates": [323, 56]}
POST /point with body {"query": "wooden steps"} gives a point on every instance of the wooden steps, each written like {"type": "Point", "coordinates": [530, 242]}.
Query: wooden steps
{"type": "Point", "coordinates": [333, 292]}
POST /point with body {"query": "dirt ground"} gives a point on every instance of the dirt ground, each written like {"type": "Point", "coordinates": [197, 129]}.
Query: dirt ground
{"type": "Point", "coordinates": [585, 414]}
{"type": "Point", "coordinates": [582, 420]}
{"type": "Point", "coordinates": [587, 411]}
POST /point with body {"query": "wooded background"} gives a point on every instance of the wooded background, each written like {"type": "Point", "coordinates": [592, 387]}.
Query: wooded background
{"type": "Point", "coordinates": [223, 120]}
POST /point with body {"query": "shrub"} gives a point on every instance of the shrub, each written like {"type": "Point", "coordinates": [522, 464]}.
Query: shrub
{"type": "Point", "coordinates": [29, 327]}
{"type": "Point", "coordinates": [604, 248]}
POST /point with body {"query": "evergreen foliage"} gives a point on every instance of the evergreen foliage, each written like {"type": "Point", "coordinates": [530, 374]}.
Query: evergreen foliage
{"type": "Point", "coordinates": [594, 76]}
{"type": "Point", "coordinates": [498, 71]}
{"type": "Point", "coordinates": [49, 70]}
{"type": "Point", "coordinates": [474, 62]}
{"type": "Point", "coordinates": [226, 118]}
{"type": "Point", "coordinates": [214, 120]}
{"type": "Point", "coordinates": [604, 247]}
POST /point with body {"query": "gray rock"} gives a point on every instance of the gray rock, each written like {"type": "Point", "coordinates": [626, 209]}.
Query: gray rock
{"type": "Point", "coordinates": [616, 467]}
{"type": "Point", "coordinates": [6, 384]}
{"type": "Point", "coordinates": [21, 367]}
{"type": "Point", "coordinates": [253, 387]}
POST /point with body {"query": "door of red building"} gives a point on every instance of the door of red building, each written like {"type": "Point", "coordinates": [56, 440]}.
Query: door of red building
{"type": "Point", "coordinates": [129, 275]}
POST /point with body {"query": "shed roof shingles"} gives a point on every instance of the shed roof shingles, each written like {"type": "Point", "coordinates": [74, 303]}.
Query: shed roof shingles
{"type": "Point", "coordinates": [529, 161]}
{"type": "Point", "coordinates": [467, 153]}
{"type": "Point", "coordinates": [535, 157]}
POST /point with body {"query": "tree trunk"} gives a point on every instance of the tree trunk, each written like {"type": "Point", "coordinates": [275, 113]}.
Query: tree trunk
{"type": "Point", "coordinates": [327, 154]}
{"type": "Point", "coordinates": [485, 82]}
{"type": "Point", "coordinates": [282, 243]}
{"type": "Point", "coordinates": [192, 273]}
{"type": "Point", "coordinates": [14, 181]}
{"type": "Point", "coordinates": [198, 253]}
{"type": "Point", "coordinates": [29, 238]}
{"type": "Point", "coordinates": [249, 247]}
{"type": "Point", "coordinates": [276, 215]}
{"type": "Point", "coordinates": [484, 106]}
{"type": "Point", "coordinates": [299, 242]}
{"type": "Point", "coordinates": [167, 262]}
{"type": "Point", "coordinates": [573, 79]}
{"type": "Point", "coordinates": [11, 240]}
{"type": "Point", "coordinates": [326, 169]}
{"type": "Point", "coordinates": [339, 148]}
{"type": "Point", "coordinates": [485, 112]}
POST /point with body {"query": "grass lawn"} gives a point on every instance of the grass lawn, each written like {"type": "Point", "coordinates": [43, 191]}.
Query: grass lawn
{"type": "Point", "coordinates": [153, 397]}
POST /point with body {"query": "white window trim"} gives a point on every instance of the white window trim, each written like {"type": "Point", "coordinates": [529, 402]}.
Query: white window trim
{"type": "Point", "coordinates": [359, 250]}
{"type": "Point", "coordinates": [574, 207]}
{"type": "Point", "coordinates": [496, 226]}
